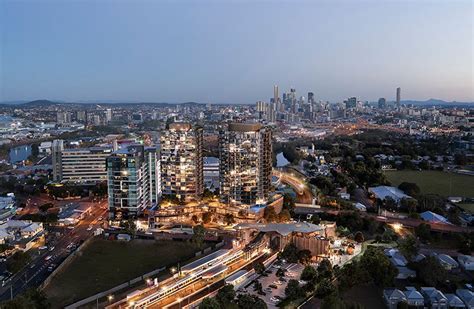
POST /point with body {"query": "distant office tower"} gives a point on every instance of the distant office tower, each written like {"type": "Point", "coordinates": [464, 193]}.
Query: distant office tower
{"type": "Point", "coordinates": [57, 148]}
{"type": "Point", "coordinates": [63, 117]}
{"type": "Point", "coordinates": [245, 154]}
{"type": "Point", "coordinates": [132, 181]}
{"type": "Point", "coordinates": [382, 103]}
{"type": "Point", "coordinates": [399, 94]}
{"type": "Point", "coordinates": [108, 115]}
{"type": "Point", "coordinates": [293, 102]}
{"type": "Point", "coordinates": [181, 161]}
{"type": "Point", "coordinates": [310, 97]}
{"type": "Point", "coordinates": [351, 102]}
{"type": "Point", "coordinates": [276, 99]}
{"type": "Point", "coordinates": [81, 116]}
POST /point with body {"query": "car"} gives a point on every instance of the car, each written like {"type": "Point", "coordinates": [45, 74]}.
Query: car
{"type": "Point", "coordinates": [32, 266]}
{"type": "Point", "coordinates": [48, 258]}
{"type": "Point", "coordinates": [278, 282]}
{"type": "Point", "coordinates": [268, 289]}
{"type": "Point", "coordinates": [100, 218]}
{"type": "Point", "coordinates": [89, 228]}
{"type": "Point", "coordinates": [282, 279]}
{"type": "Point", "coordinates": [43, 247]}
{"type": "Point", "coordinates": [278, 297]}
{"type": "Point", "coordinates": [51, 249]}
{"type": "Point", "coordinates": [302, 282]}
{"type": "Point", "coordinates": [274, 299]}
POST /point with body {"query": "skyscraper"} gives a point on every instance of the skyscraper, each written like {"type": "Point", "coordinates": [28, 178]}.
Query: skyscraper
{"type": "Point", "coordinates": [132, 181]}
{"type": "Point", "coordinates": [245, 153]}
{"type": "Point", "coordinates": [399, 94]}
{"type": "Point", "coordinates": [310, 98]}
{"type": "Point", "coordinates": [382, 103]}
{"type": "Point", "coordinates": [181, 161]}
{"type": "Point", "coordinates": [351, 102]}
{"type": "Point", "coordinates": [57, 148]}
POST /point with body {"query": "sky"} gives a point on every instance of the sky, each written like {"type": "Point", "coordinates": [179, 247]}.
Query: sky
{"type": "Point", "coordinates": [235, 51]}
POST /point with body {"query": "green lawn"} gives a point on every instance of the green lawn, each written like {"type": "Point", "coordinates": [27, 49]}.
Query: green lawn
{"type": "Point", "coordinates": [105, 264]}
{"type": "Point", "coordinates": [442, 183]}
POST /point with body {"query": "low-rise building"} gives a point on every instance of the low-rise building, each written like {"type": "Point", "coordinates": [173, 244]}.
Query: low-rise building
{"type": "Point", "coordinates": [392, 297]}
{"type": "Point", "coordinates": [466, 261]}
{"type": "Point", "coordinates": [434, 298]}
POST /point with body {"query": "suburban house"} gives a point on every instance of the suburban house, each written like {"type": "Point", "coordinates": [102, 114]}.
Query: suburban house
{"type": "Point", "coordinates": [446, 261]}
{"type": "Point", "coordinates": [434, 298]}
{"type": "Point", "coordinates": [466, 261]}
{"type": "Point", "coordinates": [413, 297]}
{"type": "Point", "coordinates": [392, 297]}
{"type": "Point", "coordinates": [454, 301]}
{"type": "Point", "coordinates": [466, 296]}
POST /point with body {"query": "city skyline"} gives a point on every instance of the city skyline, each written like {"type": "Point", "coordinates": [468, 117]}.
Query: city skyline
{"type": "Point", "coordinates": [234, 52]}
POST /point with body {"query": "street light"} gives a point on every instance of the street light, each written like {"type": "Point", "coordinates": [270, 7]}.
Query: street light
{"type": "Point", "coordinates": [110, 297]}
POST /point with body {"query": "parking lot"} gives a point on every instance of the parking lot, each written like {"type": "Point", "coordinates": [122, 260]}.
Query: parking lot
{"type": "Point", "coordinates": [273, 287]}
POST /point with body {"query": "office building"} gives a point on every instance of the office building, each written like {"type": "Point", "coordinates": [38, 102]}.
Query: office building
{"type": "Point", "coordinates": [133, 181]}
{"type": "Point", "coordinates": [245, 152]}
{"type": "Point", "coordinates": [79, 165]}
{"type": "Point", "coordinates": [181, 161]}
{"type": "Point", "coordinates": [351, 102]}
{"type": "Point", "coordinates": [57, 148]}
{"type": "Point", "coordinates": [382, 103]}
{"type": "Point", "coordinates": [399, 94]}
{"type": "Point", "coordinates": [310, 98]}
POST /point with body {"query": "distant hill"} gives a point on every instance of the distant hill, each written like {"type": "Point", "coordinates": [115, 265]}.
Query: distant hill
{"type": "Point", "coordinates": [436, 102]}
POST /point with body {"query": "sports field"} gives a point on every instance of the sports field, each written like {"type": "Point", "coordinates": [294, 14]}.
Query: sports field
{"type": "Point", "coordinates": [105, 264]}
{"type": "Point", "coordinates": [442, 183]}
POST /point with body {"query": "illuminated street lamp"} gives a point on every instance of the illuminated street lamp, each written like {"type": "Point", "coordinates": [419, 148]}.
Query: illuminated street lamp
{"type": "Point", "coordinates": [110, 297]}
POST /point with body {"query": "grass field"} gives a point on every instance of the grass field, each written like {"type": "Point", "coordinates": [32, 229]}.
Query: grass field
{"type": "Point", "coordinates": [442, 183]}
{"type": "Point", "coordinates": [105, 264]}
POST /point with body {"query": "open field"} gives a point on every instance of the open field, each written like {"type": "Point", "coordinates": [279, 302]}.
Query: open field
{"type": "Point", "coordinates": [442, 183]}
{"type": "Point", "coordinates": [105, 264]}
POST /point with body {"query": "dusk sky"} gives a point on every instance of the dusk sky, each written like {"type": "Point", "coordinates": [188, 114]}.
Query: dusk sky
{"type": "Point", "coordinates": [235, 51]}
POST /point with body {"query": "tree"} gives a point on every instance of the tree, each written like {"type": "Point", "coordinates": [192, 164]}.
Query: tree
{"type": "Point", "coordinates": [359, 237]}
{"type": "Point", "coordinates": [269, 214]}
{"type": "Point", "coordinates": [199, 232]}
{"type": "Point", "coordinates": [325, 269]}
{"type": "Point", "coordinates": [284, 216]}
{"type": "Point", "coordinates": [33, 299]}
{"type": "Point", "coordinates": [423, 231]}
{"type": "Point", "coordinates": [259, 268]}
{"type": "Point", "coordinates": [352, 274]}
{"type": "Point", "coordinates": [280, 272]}
{"type": "Point", "coordinates": [325, 287]}
{"type": "Point", "coordinates": [45, 207]}
{"type": "Point", "coordinates": [430, 271]}
{"type": "Point", "coordinates": [209, 303]}
{"type": "Point", "coordinates": [129, 227]}
{"type": "Point", "coordinates": [378, 266]}
{"type": "Point", "coordinates": [408, 247]}
{"type": "Point", "coordinates": [246, 301]}
{"type": "Point", "coordinates": [17, 261]}
{"type": "Point", "coordinates": [304, 257]}
{"type": "Point", "coordinates": [292, 290]}
{"type": "Point", "coordinates": [206, 217]}
{"type": "Point", "coordinates": [409, 188]}
{"type": "Point", "coordinates": [309, 273]}
{"type": "Point", "coordinates": [290, 253]}
{"type": "Point", "coordinates": [229, 219]}
{"type": "Point", "coordinates": [226, 295]}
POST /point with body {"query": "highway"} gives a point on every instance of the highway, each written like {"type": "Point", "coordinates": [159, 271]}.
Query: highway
{"type": "Point", "coordinates": [303, 192]}
{"type": "Point", "coordinates": [33, 274]}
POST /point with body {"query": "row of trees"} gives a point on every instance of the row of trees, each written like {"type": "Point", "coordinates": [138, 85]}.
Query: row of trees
{"type": "Point", "coordinates": [226, 298]}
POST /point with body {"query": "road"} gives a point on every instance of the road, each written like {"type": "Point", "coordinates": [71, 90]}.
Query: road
{"type": "Point", "coordinates": [36, 271]}
{"type": "Point", "coordinates": [303, 192]}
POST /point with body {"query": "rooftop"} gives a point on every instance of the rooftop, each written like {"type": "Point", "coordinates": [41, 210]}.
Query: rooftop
{"type": "Point", "coordinates": [283, 229]}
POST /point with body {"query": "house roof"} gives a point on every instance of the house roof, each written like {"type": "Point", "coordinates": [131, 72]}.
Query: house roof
{"type": "Point", "coordinates": [283, 229]}
{"type": "Point", "coordinates": [466, 296]}
{"type": "Point", "coordinates": [433, 217]}
{"type": "Point", "coordinates": [454, 301]}
{"type": "Point", "coordinates": [394, 293]}
{"type": "Point", "coordinates": [382, 192]}
{"type": "Point", "coordinates": [446, 259]}
{"type": "Point", "coordinates": [412, 294]}
{"type": "Point", "coordinates": [432, 293]}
